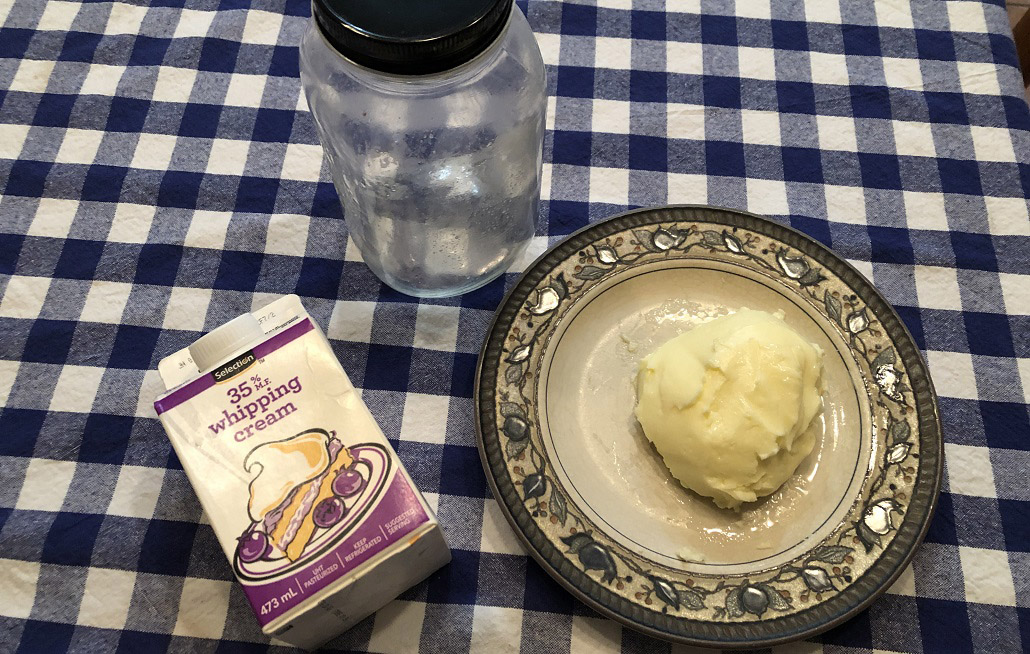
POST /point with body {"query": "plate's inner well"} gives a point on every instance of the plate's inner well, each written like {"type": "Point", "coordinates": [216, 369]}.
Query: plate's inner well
{"type": "Point", "coordinates": [617, 478]}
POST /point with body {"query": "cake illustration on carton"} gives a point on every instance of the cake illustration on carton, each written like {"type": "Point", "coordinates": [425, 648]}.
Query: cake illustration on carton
{"type": "Point", "coordinates": [303, 491]}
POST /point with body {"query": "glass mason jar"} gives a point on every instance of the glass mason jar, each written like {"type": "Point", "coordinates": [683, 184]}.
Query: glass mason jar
{"type": "Point", "coordinates": [431, 115]}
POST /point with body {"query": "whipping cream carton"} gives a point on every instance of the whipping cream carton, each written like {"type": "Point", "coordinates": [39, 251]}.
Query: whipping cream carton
{"type": "Point", "coordinates": [312, 507]}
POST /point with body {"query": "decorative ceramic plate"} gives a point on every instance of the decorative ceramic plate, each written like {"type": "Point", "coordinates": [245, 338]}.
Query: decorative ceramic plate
{"type": "Point", "coordinates": [594, 503]}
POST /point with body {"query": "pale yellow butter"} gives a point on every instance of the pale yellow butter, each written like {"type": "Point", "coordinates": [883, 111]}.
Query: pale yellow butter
{"type": "Point", "coordinates": [730, 405]}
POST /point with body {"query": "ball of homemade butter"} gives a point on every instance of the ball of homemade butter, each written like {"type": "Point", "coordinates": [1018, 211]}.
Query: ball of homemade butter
{"type": "Point", "coordinates": [730, 404]}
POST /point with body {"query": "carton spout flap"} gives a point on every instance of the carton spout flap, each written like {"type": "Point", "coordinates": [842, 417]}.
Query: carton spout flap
{"type": "Point", "coordinates": [179, 367]}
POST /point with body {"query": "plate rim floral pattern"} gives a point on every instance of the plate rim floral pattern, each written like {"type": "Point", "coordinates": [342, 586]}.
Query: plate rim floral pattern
{"type": "Point", "coordinates": [719, 225]}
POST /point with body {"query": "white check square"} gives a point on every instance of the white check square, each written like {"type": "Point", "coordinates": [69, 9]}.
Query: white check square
{"type": "Point", "coordinates": [837, 133]}
{"type": "Point", "coordinates": [46, 483]}
{"type": "Point", "coordinates": [767, 196]}
{"type": "Point", "coordinates": [287, 234]}
{"type": "Point", "coordinates": [979, 77]}
{"type": "Point", "coordinates": [937, 287]}
{"type": "Point", "coordinates": [823, 12]}
{"type": "Point", "coordinates": [136, 491]}
{"type": "Point", "coordinates": [24, 296]}
{"type": "Point", "coordinates": [54, 217]}
{"type": "Point", "coordinates": [687, 188]}
{"type": "Point", "coordinates": [684, 7]}
{"type": "Point", "coordinates": [174, 84]}
{"type": "Point", "coordinates": [965, 16]}
{"type": "Point", "coordinates": [685, 121]}
{"type": "Point", "coordinates": [925, 210]}
{"type": "Point", "coordinates": [8, 373]}
{"type": "Point", "coordinates": [614, 53]}
{"type": "Point", "coordinates": [495, 628]}
{"type": "Point", "coordinates": [952, 374]}
{"type": "Point", "coordinates": [611, 116]}
{"type": "Point", "coordinates": [20, 580]}
{"type": "Point", "coordinates": [497, 536]}
{"type": "Point", "coordinates": [125, 18]}
{"type": "Point", "coordinates": [302, 162]}
{"type": "Point", "coordinates": [76, 388]}
{"type": "Point", "coordinates": [106, 598]}
{"type": "Point", "coordinates": [245, 90]}
{"type": "Point", "coordinates": [187, 308]}
{"type": "Point", "coordinates": [79, 146]}
{"type": "Point", "coordinates": [828, 68]}
{"type": "Point", "coordinates": [425, 418]}
{"type": "Point", "coordinates": [12, 138]}
{"type": "Point", "coordinates": [550, 47]}
{"type": "Point", "coordinates": [398, 628]}
{"type": "Point", "coordinates": [436, 327]}
{"type": "Point", "coordinates": [1024, 375]}
{"type": "Point", "coordinates": [609, 185]}
{"type": "Point", "coordinates": [913, 138]}
{"type": "Point", "coordinates": [154, 151]}
{"type": "Point", "coordinates": [845, 204]}
{"type": "Point", "coordinates": [992, 143]}
{"type": "Point", "coordinates": [754, 9]}
{"type": "Point", "coordinates": [1015, 288]}
{"type": "Point", "coordinates": [969, 470]}
{"type": "Point", "coordinates": [683, 58]}
{"type": "Point", "coordinates": [433, 500]}
{"type": "Point", "coordinates": [32, 76]}
{"type": "Point", "coordinates": [193, 22]}
{"type": "Point", "coordinates": [597, 636]}
{"type": "Point", "coordinates": [105, 302]}
{"type": "Point", "coordinates": [102, 80]}
{"type": "Point", "coordinates": [892, 14]}
{"type": "Point", "coordinates": [760, 127]}
{"type": "Point", "coordinates": [351, 321]}
{"type": "Point", "coordinates": [905, 583]}
{"type": "Point", "coordinates": [262, 27]}
{"type": "Point", "coordinates": [351, 251]}
{"type": "Point", "coordinates": [208, 229]}
{"type": "Point", "coordinates": [902, 73]}
{"type": "Point", "coordinates": [756, 63]}
{"type": "Point", "coordinates": [203, 607]}
{"type": "Point", "coordinates": [228, 157]}
{"type": "Point", "coordinates": [545, 180]}
{"type": "Point", "coordinates": [131, 223]}
{"type": "Point", "coordinates": [1008, 216]}
{"type": "Point", "coordinates": [58, 16]}
{"type": "Point", "coordinates": [987, 576]}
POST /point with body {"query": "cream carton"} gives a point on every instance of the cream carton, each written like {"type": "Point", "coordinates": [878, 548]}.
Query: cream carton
{"type": "Point", "coordinates": [312, 507]}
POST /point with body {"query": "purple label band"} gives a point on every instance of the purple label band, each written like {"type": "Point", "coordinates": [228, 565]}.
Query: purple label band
{"type": "Point", "coordinates": [398, 514]}
{"type": "Point", "coordinates": [201, 384]}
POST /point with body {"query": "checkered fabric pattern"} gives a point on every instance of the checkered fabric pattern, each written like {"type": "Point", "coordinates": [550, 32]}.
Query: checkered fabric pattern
{"type": "Point", "coordinates": [160, 174]}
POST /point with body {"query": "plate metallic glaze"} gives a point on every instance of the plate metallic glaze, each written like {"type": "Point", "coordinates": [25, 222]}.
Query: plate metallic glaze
{"type": "Point", "coordinates": [554, 389]}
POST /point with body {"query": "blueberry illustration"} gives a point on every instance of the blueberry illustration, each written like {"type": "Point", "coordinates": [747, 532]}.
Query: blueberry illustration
{"type": "Point", "coordinates": [348, 482]}
{"type": "Point", "coordinates": [252, 545]}
{"type": "Point", "coordinates": [328, 512]}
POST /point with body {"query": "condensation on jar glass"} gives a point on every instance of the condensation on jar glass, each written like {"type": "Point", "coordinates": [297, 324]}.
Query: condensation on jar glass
{"type": "Point", "coordinates": [432, 119]}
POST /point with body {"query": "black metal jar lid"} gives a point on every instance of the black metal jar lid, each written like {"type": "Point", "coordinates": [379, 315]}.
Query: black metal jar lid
{"type": "Point", "coordinates": [411, 37]}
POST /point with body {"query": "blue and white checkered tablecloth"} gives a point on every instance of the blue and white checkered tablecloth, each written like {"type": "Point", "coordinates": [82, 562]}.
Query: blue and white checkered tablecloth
{"type": "Point", "coordinates": [160, 174]}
